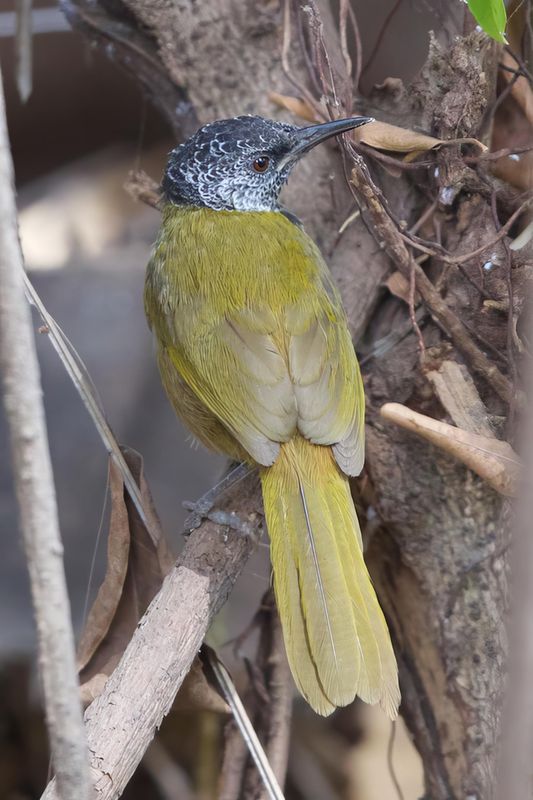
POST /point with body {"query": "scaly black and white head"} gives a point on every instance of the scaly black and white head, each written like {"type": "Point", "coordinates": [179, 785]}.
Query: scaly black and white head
{"type": "Point", "coordinates": [241, 164]}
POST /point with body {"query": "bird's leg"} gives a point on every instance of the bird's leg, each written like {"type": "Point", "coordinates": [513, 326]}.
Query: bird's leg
{"type": "Point", "coordinates": [203, 507]}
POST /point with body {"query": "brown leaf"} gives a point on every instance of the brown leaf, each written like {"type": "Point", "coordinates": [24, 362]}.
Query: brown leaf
{"type": "Point", "coordinates": [398, 285]}
{"type": "Point", "coordinates": [493, 460]}
{"type": "Point", "coordinates": [390, 137]}
{"type": "Point", "coordinates": [300, 108]}
{"type": "Point", "coordinates": [136, 568]}
{"type": "Point", "coordinates": [135, 571]}
{"type": "Point", "coordinates": [376, 134]}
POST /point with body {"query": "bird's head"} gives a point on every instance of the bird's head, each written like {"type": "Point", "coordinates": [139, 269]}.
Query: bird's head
{"type": "Point", "coordinates": [241, 163]}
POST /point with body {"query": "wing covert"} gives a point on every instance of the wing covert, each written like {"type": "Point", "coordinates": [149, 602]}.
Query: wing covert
{"type": "Point", "coordinates": [327, 383]}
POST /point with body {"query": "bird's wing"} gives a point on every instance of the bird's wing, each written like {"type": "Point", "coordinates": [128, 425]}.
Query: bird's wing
{"type": "Point", "coordinates": [279, 373]}
{"type": "Point", "coordinates": [237, 370]}
{"type": "Point", "coordinates": [326, 378]}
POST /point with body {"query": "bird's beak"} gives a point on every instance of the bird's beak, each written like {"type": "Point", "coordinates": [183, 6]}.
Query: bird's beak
{"type": "Point", "coordinates": [307, 138]}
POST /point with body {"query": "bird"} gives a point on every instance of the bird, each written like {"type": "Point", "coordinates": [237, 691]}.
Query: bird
{"type": "Point", "coordinates": [255, 355]}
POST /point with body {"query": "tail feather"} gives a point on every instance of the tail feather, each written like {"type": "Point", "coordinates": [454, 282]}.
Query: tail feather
{"type": "Point", "coordinates": [335, 634]}
{"type": "Point", "coordinates": [287, 586]}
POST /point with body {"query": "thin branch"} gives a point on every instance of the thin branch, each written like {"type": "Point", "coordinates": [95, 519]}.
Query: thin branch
{"type": "Point", "coordinates": [37, 501]}
{"type": "Point", "coordinates": [233, 763]}
{"type": "Point", "coordinates": [77, 373]}
{"type": "Point", "coordinates": [460, 258]}
{"type": "Point", "coordinates": [273, 718]}
{"type": "Point", "coordinates": [386, 231]}
{"type": "Point", "coordinates": [497, 154]}
{"type": "Point", "coordinates": [510, 313]}
{"type": "Point", "coordinates": [270, 782]}
{"type": "Point", "coordinates": [390, 761]}
{"type": "Point", "coordinates": [412, 313]}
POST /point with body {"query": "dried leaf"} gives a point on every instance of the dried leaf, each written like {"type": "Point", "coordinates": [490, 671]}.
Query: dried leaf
{"type": "Point", "coordinates": [517, 173]}
{"type": "Point", "coordinates": [300, 108]}
{"type": "Point", "coordinates": [376, 134]}
{"type": "Point", "coordinates": [403, 140]}
{"type": "Point", "coordinates": [493, 460]}
{"type": "Point", "coordinates": [136, 568]}
{"type": "Point", "coordinates": [391, 137]}
{"type": "Point", "coordinates": [398, 285]}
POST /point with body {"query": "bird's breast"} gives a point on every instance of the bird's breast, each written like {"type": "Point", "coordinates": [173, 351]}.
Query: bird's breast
{"type": "Point", "coordinates": [231, 260]}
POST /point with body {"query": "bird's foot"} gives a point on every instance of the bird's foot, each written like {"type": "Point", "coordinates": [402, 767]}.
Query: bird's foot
{"type": "Point", "coordinates": [202, 510]}
{"type": "Point", "coordinates": [204, 507]}
{"type": "Point", "coordinates": [199, 510]}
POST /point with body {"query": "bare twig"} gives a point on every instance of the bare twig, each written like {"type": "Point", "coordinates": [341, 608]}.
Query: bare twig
{"type": "Point", "coordinates": [460, 258]}
{"type": "Point", "coordinates": [284, 56]}
{"type": "Point", "coordinates": [269, 780]}
{"type": "Point", "coordinates": [233, 764]}
{"type": "Point", "coordinates": [358, 46]}
{"type": "Point", "coordinates": [77, 373]}
{"type": "Point", "coordinates": [493, 460]}
{"type": "Point", "coordinates": [387, 232]}
{"type": "Point", "coordinates": [343, 16]}
{"type": "Point", "coordinates": [496, 154]}
{"type": "Point", "coordinates": [37, 502]}
{"type": "Point", "coordinates": [390, 760]}
{"type": "Point", "coordinates": [273, 694]}
{"type": "Point", "coordinates": [510, 313]}
{"type": "Point", "coordinates": [268, 700]}
{"type": "Point", "coordinates": [412, 312]}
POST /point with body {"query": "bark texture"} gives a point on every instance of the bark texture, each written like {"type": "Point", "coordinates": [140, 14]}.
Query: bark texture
{"type": "Point", "coordinates": [438, 557]}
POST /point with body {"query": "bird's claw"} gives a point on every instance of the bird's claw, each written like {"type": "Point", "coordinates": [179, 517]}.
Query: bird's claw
{"type": "Point", "coordinates": [199, 511]}
{"type": "Point", "coordinates": [203, 509]}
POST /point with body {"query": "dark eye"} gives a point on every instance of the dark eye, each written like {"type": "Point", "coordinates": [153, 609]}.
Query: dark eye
{"type": "Point", "coordinates": [260, 164]}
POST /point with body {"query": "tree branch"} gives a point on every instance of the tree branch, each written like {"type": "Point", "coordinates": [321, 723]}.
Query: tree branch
{"type": "Point", "coordinates": [37, 501]}
{"type": "Point", "coordinates": [122, 721]}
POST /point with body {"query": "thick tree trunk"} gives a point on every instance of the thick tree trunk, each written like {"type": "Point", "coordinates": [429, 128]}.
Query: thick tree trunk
{"type": "Point", "coordinates": [439, 556]}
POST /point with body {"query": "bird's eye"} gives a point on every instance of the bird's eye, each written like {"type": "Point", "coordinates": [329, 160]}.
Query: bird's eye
{"type": "Point", "coordinates": [260, 164]}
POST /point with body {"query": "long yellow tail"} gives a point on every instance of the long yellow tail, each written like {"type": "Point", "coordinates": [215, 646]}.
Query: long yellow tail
{"type": "Point", "coordinates": [336, 637]}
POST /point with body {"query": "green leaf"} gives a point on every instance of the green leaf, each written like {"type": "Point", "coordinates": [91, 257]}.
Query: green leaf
{"type": "Point", "coordinates": [491, 16]}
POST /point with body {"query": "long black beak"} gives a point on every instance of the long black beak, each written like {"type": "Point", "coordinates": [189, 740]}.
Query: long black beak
{"type": "Point", "coordinates": [307, 138]}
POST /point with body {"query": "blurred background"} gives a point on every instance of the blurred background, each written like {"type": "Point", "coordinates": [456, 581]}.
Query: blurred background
{"type": "Point", "coordinates": [86, 245]}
